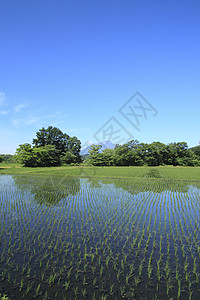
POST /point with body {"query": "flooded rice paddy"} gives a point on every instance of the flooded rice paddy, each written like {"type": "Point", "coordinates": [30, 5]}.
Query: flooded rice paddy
{"type": "Point", "coordinates": [83, 238]}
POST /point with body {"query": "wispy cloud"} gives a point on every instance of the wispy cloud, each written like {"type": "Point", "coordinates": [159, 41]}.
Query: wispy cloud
{"type": "Point", "coordinates": [28, 117]}
{"type": "Point", "coordinates": [26, 121]}
{"type": "Point", "coordinates": [19, 107]}
{"type": "Point", "coordinates": [32, 121]}
{"type": "Point", "coordinates": [3, 112]}
{"type": "Point", "coordinates": [2, 97]}
{"type": "Point", "coordinates": [56, 114]}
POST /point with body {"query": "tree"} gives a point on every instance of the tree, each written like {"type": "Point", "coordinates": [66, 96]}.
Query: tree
{"type": "Point", "coordinates": [62, 141]}
{"type": "Point", "coordinates": [47, 156]}
{"type": "Point", "coordinates": [94, 157]}
{"type": "Point", "coordinates": [38, 157]}
{"type": "Point", "coordinates": [121, 155]}
{"type": "Point", "coordinates": [1, 159]}
{"type": "Point", "coordinates": [128, 154]}
{"type": "Point", "coordinates": [177, 151]}
{"type": "Point", "coordinates": [8, 158]}
{"type": "Point", "coordinates": [156, 154]}
{"type": "Point", "coordinates": [74, 147]}
{"type": "Point", "coordinates": [196, 150]}
{"type": "Point", "coordinates": [52, 136]}
{"type": "Point", "coordinates": [133, 145]}
{"type": "Point", "coordinates": [69, 158]}
{"type": "Point", "coordinates": [107, 156]}
{"type": "Point", "coordinates": [25, 155]}
{"type": "Point", "coordinates": [51, 147]}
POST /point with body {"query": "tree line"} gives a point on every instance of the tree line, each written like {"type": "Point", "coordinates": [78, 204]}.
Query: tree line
{"type": "Point", "coordinates": [52, 147]}
{"type": "Point", "coordinates": [134, 153]}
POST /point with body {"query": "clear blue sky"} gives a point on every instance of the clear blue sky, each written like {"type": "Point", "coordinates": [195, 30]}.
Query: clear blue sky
{"type": "Point", "coordinates": [74, 64]}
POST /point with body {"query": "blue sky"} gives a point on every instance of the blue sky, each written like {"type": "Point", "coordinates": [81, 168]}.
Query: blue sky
{"type": "Point", "coordinates": [75, 64]}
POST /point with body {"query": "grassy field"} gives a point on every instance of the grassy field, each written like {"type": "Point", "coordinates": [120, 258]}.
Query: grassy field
{"type": "Point", "coordinates": [164, 172]}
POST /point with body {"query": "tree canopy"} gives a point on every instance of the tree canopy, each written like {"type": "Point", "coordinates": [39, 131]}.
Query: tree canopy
{"type": "Point", "coordinates": [51, 136]}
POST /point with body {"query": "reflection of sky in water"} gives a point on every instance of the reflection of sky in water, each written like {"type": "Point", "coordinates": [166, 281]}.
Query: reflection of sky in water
{"type": "Point", "coordinates": [102, 211]}
{"type": "Point", "coordinates": [107, 194]}
{"type": "Point", "coordinates": [6, 181]}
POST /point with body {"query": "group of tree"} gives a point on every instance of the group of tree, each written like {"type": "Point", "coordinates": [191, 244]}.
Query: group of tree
{"type": "Point", "coordinates": [51, 147]}
{"type": "Point", "coordinates": [7, 158]}
{"type": "Point", "coordinates": [134, 153]}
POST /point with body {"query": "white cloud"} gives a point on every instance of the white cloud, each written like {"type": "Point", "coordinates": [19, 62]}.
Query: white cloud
{"type": "Point", "coordinates": [32, 121]}
{"type": "Point", "coordinates": [2, 97]}
{"type": "Point", "coordinates": [19, 107]}
{"type": "Point", "coordinates": [27, 121]}
{"type": "Point", "coordinates": [3, 112]}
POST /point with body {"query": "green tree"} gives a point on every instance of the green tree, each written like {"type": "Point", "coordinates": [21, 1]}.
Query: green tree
{"type": "Point", "coordinates": [74, 147]}
{"type": "Point", "coordinates": [196, 150]}
{"type": "Point", "coordinates": [52, 136]}
{"type": "Point", "coordinates": [1, 159]}
{"type": "Point", "coordinates": [47, 156]}
{"type": "Point", "coordinates": [121, 155]}
{"type": "Point", "coordinates": [177, 151]}
{"type": "Point", "coordinates": [107, 156]}
{"type": "Point", "coordinates": [8, 158]}
{"type": "Point", "coordinates": [26, 156]}
{"type": "Point", "coordinates": [94, 157]}
{"type": "Point", "coordinates": [69, 158]}
{"type": "Point", "coordinates": [128, 154]}
{"type": "Point", "coordinates": [156, 154]}
{"type": "Point", "coordinates": [50, 147]}
{"type": "Point", "coordinates": [62, 141]}
{"type": "Point", "coordinates": [37, 157]}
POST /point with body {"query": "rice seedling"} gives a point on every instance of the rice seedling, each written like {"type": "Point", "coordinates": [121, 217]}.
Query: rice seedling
{"type": "Point", "coordinates": [132, 230]}
{"type": "Point", "coordinates": [66, 286]}
{"type": "Point", "coordinates": [84, 293]}
{"type": "Point", "coordinates": [37, 290]}
{"type": "Point", "coordinates": [21, 284]}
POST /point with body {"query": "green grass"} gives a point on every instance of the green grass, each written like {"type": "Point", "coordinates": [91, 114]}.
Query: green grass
{"type": "Point", "coordinates": [164, 172]}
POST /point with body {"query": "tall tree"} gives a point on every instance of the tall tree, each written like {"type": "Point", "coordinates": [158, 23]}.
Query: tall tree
{"type": "Point", "coordinates": [74, 147]}
{"type": "Point", "coordinates": [62, 141]}
{"type": "Point", "coordinates": [52, 136]}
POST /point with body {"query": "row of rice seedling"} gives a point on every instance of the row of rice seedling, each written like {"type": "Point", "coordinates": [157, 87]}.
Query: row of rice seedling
{"type": "Point", "coordinates": [64, 238]}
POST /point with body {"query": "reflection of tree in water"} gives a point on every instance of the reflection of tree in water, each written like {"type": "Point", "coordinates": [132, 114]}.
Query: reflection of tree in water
{"type": "Point", "coordinates": [48, 189]}
{"type": "Point", "coordinates": [134, 186]}
{"type": "Point", "coordinates": [51, 189]}
{"type": "Point", "coordinates": [94, 182]}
